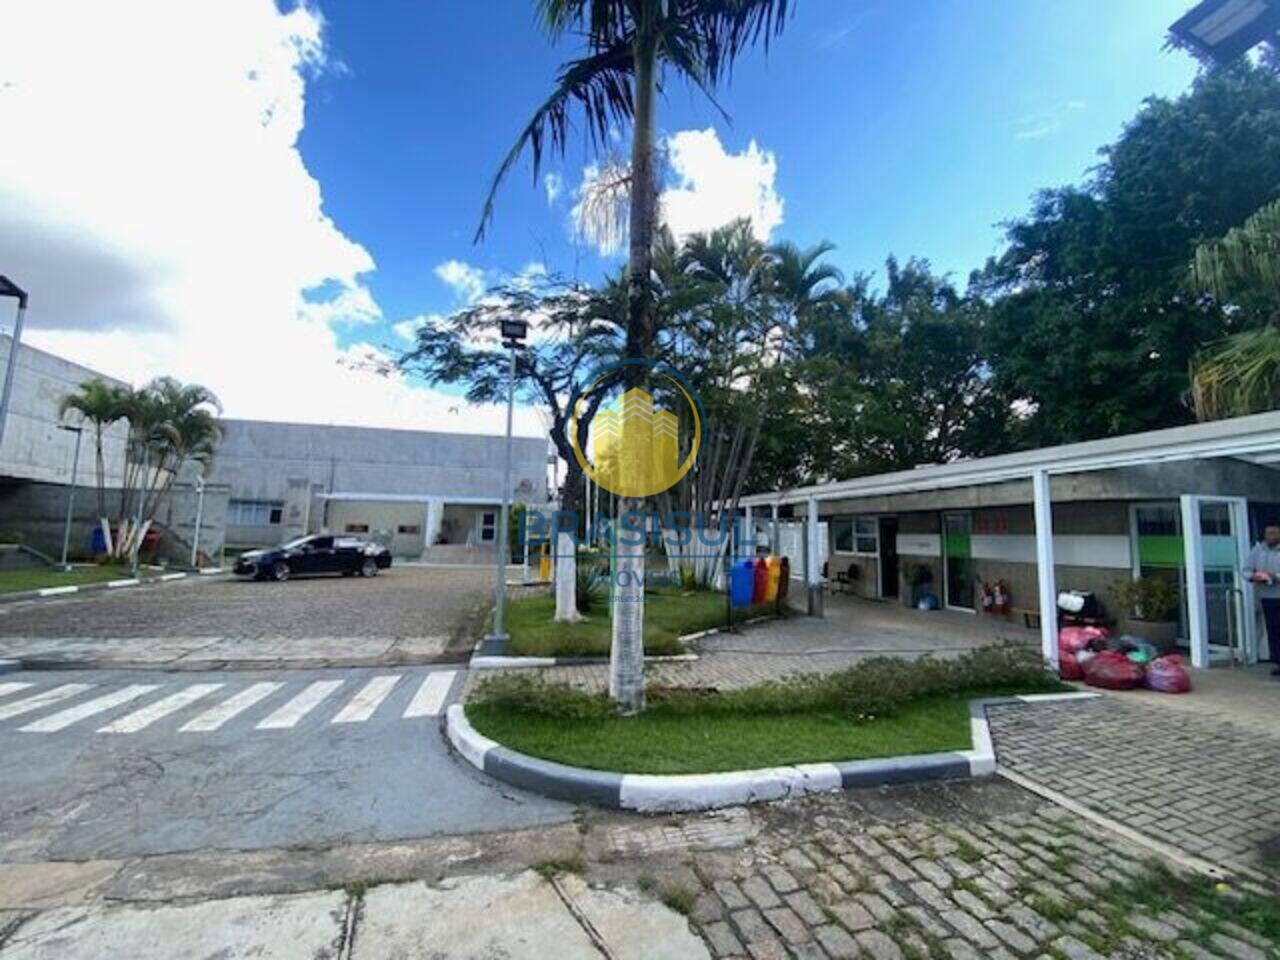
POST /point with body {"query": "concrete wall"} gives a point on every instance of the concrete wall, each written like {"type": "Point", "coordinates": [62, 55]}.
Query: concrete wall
{"type": "Point", "coordinates": [33, 447]}
{"type": "Point", "coordinates": [257, 460]}
{"type": "Point", "coordinates": [383, 523]}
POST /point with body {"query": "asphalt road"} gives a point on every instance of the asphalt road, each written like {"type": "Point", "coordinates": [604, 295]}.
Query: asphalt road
{"type": "Point", "coordinates": [137, 763]}
{"type": "Point", "coordinates": [400, 602]}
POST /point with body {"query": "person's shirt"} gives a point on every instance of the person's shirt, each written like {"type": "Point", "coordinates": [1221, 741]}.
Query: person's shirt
{"type": "Point", "coordinates": [1264, 559]}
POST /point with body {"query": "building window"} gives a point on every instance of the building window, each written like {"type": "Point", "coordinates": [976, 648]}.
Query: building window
{"type": "Point", "coordinates": [409, 530]}
{"type": "Point", "coordinates": [488, 527]}
{"type": "Point", "coordinates": [856, 536]}
{"type": "Point", "coordinates": [357, 528]}
{"type": "Point", "coordinates": [254, 513]}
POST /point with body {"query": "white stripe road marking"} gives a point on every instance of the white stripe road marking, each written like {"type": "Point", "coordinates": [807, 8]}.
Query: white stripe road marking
{"type": "Point", "coordinates": [19, 707]}
{"type": "Point", "coordinates": [429, 700]}
{"type": "Point", "coordinates": [65, 718]}
{"type": "Point", "coordinates": [297, 708]}
{"type": "Point", "coordinates": [55, 591]}
{"type": "Point", "coordinates": [215, 717]}
{"type": "Point", "coordinates": [133, 722]}
{"type": "Point", "coordinates": [367, 700]}
{"type": "Point", "coordinates": [8, 688]}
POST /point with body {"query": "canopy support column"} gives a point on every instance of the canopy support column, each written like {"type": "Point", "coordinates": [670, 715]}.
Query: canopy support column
{"type": "Point", "coordinates": [1045, 567]}
{"type": "Point", "coordinates": [812, 559]}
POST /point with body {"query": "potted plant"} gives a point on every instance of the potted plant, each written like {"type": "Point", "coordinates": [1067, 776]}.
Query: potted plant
{"type": "Point", "coordinates": [1151, 604]}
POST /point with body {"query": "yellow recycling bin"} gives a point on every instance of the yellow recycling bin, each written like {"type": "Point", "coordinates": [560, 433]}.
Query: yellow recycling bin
{"type": "Point", "coordinates": [774, 568]}
{"type": "Point", "coordinates": [544, 564]}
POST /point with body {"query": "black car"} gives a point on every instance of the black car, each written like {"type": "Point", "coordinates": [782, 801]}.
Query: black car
{"type": "Point", "coordinates": [318, 553]}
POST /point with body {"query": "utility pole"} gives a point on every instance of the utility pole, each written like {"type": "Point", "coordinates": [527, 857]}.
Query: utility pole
{"type": "Point", "coordinates": [195, 539]}
{"type": "Point", "coordinates": [71, 493]}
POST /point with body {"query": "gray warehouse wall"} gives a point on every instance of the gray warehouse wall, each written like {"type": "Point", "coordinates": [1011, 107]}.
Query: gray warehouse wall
{"type": "Point", "coordinates": [34, 448]}
{"type": "Point", "coordinates": [258, 459]}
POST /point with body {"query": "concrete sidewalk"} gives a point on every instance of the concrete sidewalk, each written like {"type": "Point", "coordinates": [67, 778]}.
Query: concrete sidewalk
{"type": "Point", "coordinates": [514, 916]}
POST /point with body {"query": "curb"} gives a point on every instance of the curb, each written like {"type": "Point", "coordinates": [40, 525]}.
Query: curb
{"type": "Point", "coordinates": [46, 593]}
{"type": "Point", "coordinates": [484, 662]}
{"type": "Point", "coordinates": [10, 666]}
{"type": "Point", "coordinates": [650, 793]}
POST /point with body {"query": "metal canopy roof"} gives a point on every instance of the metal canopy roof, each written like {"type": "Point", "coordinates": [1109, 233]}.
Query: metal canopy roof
{"type": "Point", "coordinates": [1255, 438]}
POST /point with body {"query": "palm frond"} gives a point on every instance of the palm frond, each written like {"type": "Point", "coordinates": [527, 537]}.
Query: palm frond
{"type": "Point", "coordinates": [599, 84]}
{"type": "Point", "coordinates": [1238, 376]}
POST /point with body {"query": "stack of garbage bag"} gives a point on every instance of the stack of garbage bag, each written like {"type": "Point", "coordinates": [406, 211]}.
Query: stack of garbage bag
{"type": "Point", "coordinates": [1093, 655]}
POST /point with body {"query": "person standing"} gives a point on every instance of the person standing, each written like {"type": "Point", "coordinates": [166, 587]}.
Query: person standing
{"type": "Point", "coordinates": [1263, 568]}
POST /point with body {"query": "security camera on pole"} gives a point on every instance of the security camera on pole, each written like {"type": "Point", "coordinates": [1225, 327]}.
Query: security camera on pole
{"type": "Point", "coordinates": [495, 644]}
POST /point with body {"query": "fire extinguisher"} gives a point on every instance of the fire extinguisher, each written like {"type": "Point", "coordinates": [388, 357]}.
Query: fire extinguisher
{"type": "Point", "coordinates": [988, 598]}
{"type": "Point", "coordinates": [1000, 597]}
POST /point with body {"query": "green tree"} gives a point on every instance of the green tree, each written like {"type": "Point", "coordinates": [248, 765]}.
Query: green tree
{"type": "Point", "coordinates": [1093, 328]}
{"type": "Point", "coordinates": [1240, 374]}
{"type": "Point", "coordinates": [101, 404]}
{"type": "Point", "coordinates": [629, 44]}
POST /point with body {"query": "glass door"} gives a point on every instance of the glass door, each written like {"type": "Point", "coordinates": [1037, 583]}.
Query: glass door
{"type": "Point", "coordinates": [1222, 529]}
{"type": "Point", "coordinates": [958, 566]}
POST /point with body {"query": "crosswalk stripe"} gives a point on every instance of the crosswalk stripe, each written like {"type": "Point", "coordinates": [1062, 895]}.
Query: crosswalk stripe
{"type": "Point", "coordinates": [65, 718]}
{"type": "Point", "coordinates": [215, 717]}
{"type": "Point", "coordinates": [8, 688]}
{"type": "Point", "coordinates": [19, 707]}
{"type": "Point", "coordinates": [367, 700]}
{"type": "Point", "coordinates": [133, 722]}
{"type": "Point", "coordinates": [429, 700]}
{"type": "Point", "coordinates": [297, 708]}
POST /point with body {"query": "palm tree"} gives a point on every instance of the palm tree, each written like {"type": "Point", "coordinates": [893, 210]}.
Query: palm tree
{"type": "Point", "coordinates": [628, 44]}
{"type": "Point", "coordinates": [1240, 374]}
{"type": "Point", "coordinates": [101, 404]}
{"type": "Point", "coordinates": [801, 283]}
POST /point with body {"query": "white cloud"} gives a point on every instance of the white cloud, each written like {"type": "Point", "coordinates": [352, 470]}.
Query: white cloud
{"type": "Point", "coordinates": [707, 188]}
{"type": "Point", "coordinates": [1043, 123]}
{"type": "Point", "coordinates": [161, 216]}
{"type": "Point", "coordinates": [554, 185]}
{"type": "Point", "coordinates": [713, 187]}
{"type": "Point", "coordinates": [467, 282]}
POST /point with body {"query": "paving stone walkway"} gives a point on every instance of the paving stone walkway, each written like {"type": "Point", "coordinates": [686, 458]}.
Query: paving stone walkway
{"type": "Point", "coordinates": [824, 881]}
{"type": "Point", "coordinates": [1201, 783]}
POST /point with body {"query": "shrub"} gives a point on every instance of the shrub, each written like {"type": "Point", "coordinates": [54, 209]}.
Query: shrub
{"type": "Point", "coordinates": [872, 688]}
{"type": "Point", "coordinates": [592, 583]}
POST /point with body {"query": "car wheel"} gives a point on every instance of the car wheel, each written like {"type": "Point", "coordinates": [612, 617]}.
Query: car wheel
{"type": "Point", "coordinates": [348, 573]}
{"type": "Point", "coordinates": [280, 572]}
{"type": "Point", "coordinates": [369, 568]}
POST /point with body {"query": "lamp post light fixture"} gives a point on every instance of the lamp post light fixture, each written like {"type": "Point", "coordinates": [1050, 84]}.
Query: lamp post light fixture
{"type": "Point", "coordinates": [71, 492]}
{"type": "Point", "coordinates": [495, 644]}
{"type": "Point", "coordinates": [10, 289]}
{"type": "Point", "coordinates": [1218, 31]}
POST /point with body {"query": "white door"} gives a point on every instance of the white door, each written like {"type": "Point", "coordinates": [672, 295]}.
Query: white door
{"type": "Point", "coordinates": [1219, 599]}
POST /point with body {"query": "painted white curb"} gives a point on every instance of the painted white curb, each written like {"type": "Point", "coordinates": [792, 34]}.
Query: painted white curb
{"type": "Point", "coordinates": [128, 582]}
{"type": "Point", "coordinates": [651, 793]}
{"type": "Point", "coordinates": [56, 591]}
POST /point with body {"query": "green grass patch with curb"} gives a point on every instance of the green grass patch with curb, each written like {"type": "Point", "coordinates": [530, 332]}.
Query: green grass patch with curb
{"type": "Point", "coordinates": [663, 740]}
{"type": "Point", "coordinates": [41, 578]}
{"type": "Point", "coordinates": [668, 614]}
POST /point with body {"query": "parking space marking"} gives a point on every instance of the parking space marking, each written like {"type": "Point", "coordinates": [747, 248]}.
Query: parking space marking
{"type": "Point", "coordinates": [367, 700]}
{"type": "Point", "coordinates": [215, 717]}
{"type": "Point", "coordinates": [133, 722]}
{"type": "Point", "coordinates": [297, 708]}
{"type": "Point", "coordinates": [8, 688]}
{"type": "Point", "coordinates": [19, 707]}
{"type": "Point", "coordinates": [429, 700]}
{"type": "Point", "coordinates": [65, 718]}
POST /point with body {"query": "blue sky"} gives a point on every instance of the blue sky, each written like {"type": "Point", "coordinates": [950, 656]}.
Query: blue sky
{"type": "Point", "coordinates": [906, 128]}
{"type": "Point", "coordinates": [255, 194]}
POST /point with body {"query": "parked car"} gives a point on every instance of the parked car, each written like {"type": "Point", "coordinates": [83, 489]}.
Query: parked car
{"type": "Point", "coordinates": [318, 553]}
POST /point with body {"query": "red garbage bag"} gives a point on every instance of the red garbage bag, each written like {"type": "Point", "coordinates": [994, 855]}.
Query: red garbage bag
{"type": "Point", "coordinates": [1169, 674]}
{"type": "Point", "coordinates": [1077, 638]}
{"type": "Point", "coordinates": [1113, 671]}
{"type": "Point", "coordinates": [1068, 666]}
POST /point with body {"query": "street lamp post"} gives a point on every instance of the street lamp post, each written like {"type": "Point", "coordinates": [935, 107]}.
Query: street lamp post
{"type": "Point", "coordinates": [10, 289]}
{"type": "Point", "coordinates": [195, 539]}
{"type": "Point", "coordinates": [71, 493]}
{"type": "Point", "coordinates": [495, 644]}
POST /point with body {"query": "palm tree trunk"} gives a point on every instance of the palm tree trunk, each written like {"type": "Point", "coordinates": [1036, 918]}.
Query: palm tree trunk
{"type": "Point", "coordinates": [626, 654]}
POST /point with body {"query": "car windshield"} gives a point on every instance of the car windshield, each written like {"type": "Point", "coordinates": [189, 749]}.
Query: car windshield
{"type": "Point", "coordinates": [295, 543]}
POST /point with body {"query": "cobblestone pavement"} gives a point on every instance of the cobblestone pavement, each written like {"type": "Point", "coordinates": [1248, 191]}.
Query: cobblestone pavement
{"type": "Point", "coordinates": [403, 603]}
{"type": "Point", "coordinates": [1204, 784]}
{"type": "Point", "coordinates": [934, 872]}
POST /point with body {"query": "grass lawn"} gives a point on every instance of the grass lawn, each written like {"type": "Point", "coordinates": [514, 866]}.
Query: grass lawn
{"type": "Point", "coordinates": [14, 581]}
{"type": "Point", "coordinates": [668, 614]}
{"type": "Point", "coordinates": [662, 741]}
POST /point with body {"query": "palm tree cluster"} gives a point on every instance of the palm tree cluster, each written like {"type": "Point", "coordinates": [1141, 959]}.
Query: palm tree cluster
{"type": "Point", "coordinates": [170, 425]}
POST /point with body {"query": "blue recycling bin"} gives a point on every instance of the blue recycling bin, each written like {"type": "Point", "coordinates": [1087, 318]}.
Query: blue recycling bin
{"type": "Point", "coordinates": [742, 583]}
{"type": "Point", "coordinates": [97, 542]}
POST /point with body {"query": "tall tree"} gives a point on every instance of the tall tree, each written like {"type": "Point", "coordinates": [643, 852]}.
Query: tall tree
{"type": "Point", "coordinates": [1093, 327]}
{"type": "Point", "coordinates": [101, 404]}
{"type": "Point", "coordinates": [628, 46]}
